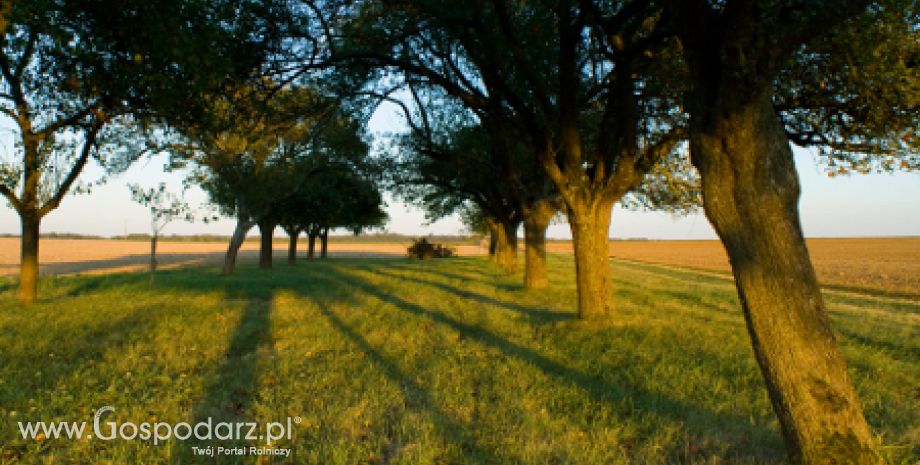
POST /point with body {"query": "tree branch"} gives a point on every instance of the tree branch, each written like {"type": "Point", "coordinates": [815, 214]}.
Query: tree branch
{"type": "Point", "coordinates": [88, 143]}
{"type": "Point", "coordinates": [11, 196]}
{"type": "Point", "coordinates": [71, 120]}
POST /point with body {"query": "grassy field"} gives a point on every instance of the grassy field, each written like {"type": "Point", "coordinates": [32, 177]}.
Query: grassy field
{"type": "Point", "coordinates": [392, 361]}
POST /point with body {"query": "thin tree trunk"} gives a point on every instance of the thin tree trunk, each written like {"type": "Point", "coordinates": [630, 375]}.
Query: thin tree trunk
{"type": "Point", "coordinates": [536, 220]}
{"type": "Point", "coordinates": [266, 233]}
{"type": "Point", "coordinates": [493, 244]}
{"type": "Point", "coordinates": [324, 238]}
{"type": "Point", "coordinates": [236, 241]}
{"type": "Point", "coordinates": [28, 258]}
{"type": "Point", "coordinates": [495, 233]}
{"type": "Point", "coordinates": [153, 257]}
{"type": "Point", "coordinates": [751, 193]}
{"type": "Point", "coordinates": [505, 234]}
{"type": "Point", "coordinates": [311, 245]}
{"type": "Point", "coordinates": [590, 226]}
{"type": "Point", "coordinates": [292, 246]}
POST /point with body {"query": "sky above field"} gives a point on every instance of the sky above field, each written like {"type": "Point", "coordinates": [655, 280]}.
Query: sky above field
{"type": "Point", "coordinates": [858, 205]}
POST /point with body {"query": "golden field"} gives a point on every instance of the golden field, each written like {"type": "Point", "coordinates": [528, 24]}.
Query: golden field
{"type": "Point", "coordinates": [67, 256]}
{"type": "Point", "coordinates": [890, 265]}
{"type": "Point", "coordinates": [877, 265]}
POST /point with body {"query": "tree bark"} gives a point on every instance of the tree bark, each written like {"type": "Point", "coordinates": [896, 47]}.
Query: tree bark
{"type": "Point", "coordinates": [153, 257]}
{"type": "Point", "coordinates": [324, 246]}
{"type": "Point", "coordinates": [266, 233]}
{"type": "Point", "coordinates": [28, 258]}
{"type": "Point", "coordinates": [590, 226]}
{"type": "Point", "coordinates": [292, 246]}
{"type": "Point", "coordinates": [311, 244]}
{"type": "Point", "coordinates": [494, 227]}
{"type": "Point", "coordinates": [504, 233]}
{"type": "Point", "coordinates": [751, 193]}
{"type": "Point", "coordinates": [536, 219]}
{"type": "Point", "coordinates": [493, 243]}
{"type": "Point", "coordinates": [236, 241]}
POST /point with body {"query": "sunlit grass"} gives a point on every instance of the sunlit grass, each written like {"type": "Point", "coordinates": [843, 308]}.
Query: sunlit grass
{"type": "Point", "coordinates": [435, 362]}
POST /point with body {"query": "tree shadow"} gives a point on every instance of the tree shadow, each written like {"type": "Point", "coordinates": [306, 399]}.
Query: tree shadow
{"type": "Point", "coordinates": [494, 278]}
{"type": "Point", "coordinates": [44, 366]}
{"type": "Point", "coordinates": [890, 349]}
{"type": "Point", "coordinates": [598, 389]}
{"type": "Point", "coordinates": [415, 398]}
{"type": "Point", "coordinates": [233, 386]}
{"type": "Point", "coordinates": [536, 316]}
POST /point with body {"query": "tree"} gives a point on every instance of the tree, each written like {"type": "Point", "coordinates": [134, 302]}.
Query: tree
{"type": "Point", "coordinates": [447, 171]}
{"type": "Point", "coordinates": [337, 197]}
{"type": "Point", "coordinates": [540, 68]}
{"type": "Point", "coordinates": [258, 144]}
{"type": "Point", "coordinates": [72, 70]}
{"type": "Point", "coordinates": [165, 207]}
{"type": "Point", "coordinates": [448, 160]}
{"type": "Point", "coordinates": [261, 146]}
{"type": "Point", "coordinates": [451, 158]}
{"type": "Point", "coordinates": [818, 64]}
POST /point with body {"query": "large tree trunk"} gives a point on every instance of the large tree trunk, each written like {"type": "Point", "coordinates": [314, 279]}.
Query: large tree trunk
{"type": "Point", "coordinates": [236, 241]}
{"type": "Point", "coordinates": [751, 193]}
{"type": "Point", "coordinates": [536, 219]}
{"type": "Point", "coordinates": [267, 236]}
{"type": "Point", "coordinates": [324, 246]}
{"type": "Point", "coordinates": [590, 226]}
{"type": "Point", "coordinates": [292, 246]}
{"type": "Point", "coordinates": [153, 257]}
{"type": "Point", "coordinates": [28, 258]}
{"type": "Point", "coordinates": [311, 244]}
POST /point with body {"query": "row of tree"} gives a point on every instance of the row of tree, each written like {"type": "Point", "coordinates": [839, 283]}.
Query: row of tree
{"type": "Point", "coordinates": [270, 155]}
{"type": "Point", "coordinates": [84, 81]}
{"type": "Point", "coordinates": [598, 94]}
{"type": "Point", "coordinates": [516, 111]}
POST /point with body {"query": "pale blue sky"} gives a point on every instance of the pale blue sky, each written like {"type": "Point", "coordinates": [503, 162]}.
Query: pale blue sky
{"type": "Point", "coordinates": [857, 205]}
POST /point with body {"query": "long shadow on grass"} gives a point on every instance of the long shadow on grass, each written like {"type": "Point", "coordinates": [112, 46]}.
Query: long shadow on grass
{"type": "Point", "coordinates": [83, 285]}
{"type": "Point", "coordinates": [596, 388]}
{"type": "Point", "coordinates": [901, 352]}
{"type": "Point", "coordinates": [416, 398]}
{"type": "Point", "coordinates": [234, 383]}
{"type": "Point", "coordinates": [73, 348]}
{"type": "Point", "coordinates": [496, 279]}
{"type": "Point", "coordinates": [535, 315]}
{"type": "Point", "coordinates": [230, 392]}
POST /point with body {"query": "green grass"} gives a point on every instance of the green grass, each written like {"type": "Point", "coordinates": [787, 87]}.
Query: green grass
{"type": "Point", "coordinates": [435, 362]}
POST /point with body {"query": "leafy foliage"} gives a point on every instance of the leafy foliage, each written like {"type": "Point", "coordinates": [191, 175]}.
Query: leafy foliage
{"type": "Point", "coordinates": [854, 94]}
{"type": "Point", "coordinates": [333, 198]}
{"type": "Point", "coordinates": [164, 206]}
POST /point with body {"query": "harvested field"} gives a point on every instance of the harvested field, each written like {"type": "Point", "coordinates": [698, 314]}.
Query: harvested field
{"type": "Point", "coordinates": [876, 265]}
{"type": "Point", "coordinates": [68, 256]}
{"type": "Point", "coordinates": [881, 265]}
